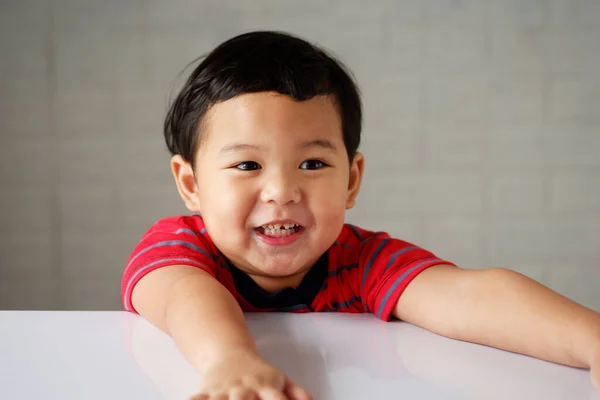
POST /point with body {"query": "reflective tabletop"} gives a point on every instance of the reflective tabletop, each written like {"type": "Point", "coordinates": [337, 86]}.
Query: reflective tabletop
{"type": "Point", "coordinates": [118, 355]}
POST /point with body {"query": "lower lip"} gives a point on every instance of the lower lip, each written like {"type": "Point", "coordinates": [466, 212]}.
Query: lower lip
{"type": "Point", "coordinates": [279, 241]}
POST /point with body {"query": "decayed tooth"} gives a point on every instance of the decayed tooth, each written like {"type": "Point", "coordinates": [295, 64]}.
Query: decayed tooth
{"type": "Point", "coordinates": [279, 226]}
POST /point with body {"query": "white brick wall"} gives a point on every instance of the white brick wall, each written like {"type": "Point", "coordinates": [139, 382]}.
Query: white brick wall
{"type": "Point", "coordinates": [516, 194]}
{"type": "Point", "coordinates": [576, 193]}
{"type": "Point", "coordinates": [482, 131]}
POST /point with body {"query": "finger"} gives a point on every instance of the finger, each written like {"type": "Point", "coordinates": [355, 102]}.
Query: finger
{"type": "Point", "coordinates": [269, 393]}
{"type": "Point", "coordinates": [295, 392]}
{"type": "Point", "coordinates": [595, 378]}
{"type": "Point", "coordinates": [201, 396]}
{"type": "Point", "coordinates": [242, 394]}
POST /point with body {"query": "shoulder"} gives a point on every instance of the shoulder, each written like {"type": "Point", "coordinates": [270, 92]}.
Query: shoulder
{"type": "Point", "coordinates": [358, 240]}
{"type": "Point", "coordinates": [191, 226]}
{"type": "Point", "coordinates": [352, 246]}
{"type": "Point", "coordinates": [176, 234]}
{"type": "Point", "coordinates": [176, 240]}
{"type": "Point", "coordinates": [355, 236]}
{"type": "Point", "coordinates": [368, 246]}
{"type": "Point", "coordinates": [193, 222]}
{"type": "Point", "coordinates": [381, 266]}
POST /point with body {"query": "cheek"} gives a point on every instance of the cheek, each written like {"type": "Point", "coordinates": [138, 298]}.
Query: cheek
{"type": "Point", "coordinates": [329, 201]}
{"type": "Point", "coordinates": [226, 201]}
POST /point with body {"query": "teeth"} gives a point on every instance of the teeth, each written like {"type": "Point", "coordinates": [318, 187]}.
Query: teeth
{"type": "Point", "coordinates": [279, 230]}
{"type": "Point", "coordinates": [279, 226]}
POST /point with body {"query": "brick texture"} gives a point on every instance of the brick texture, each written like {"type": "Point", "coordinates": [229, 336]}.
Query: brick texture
{"type": "Point", "coordinates": [482, 131]}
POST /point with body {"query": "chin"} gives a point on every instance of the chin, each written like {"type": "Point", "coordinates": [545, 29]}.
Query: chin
{"type": "Point", "coordinates": [280, 271]}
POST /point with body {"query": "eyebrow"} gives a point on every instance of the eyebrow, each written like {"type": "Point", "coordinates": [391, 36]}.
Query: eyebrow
{"type": "Point", "coordinates": [237, 147]}
{"type": "Point", "coordinates": [321, 143]}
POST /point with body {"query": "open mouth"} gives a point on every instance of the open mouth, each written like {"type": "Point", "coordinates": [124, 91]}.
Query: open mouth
{"type": "Point", "coordinates": [278, 230]}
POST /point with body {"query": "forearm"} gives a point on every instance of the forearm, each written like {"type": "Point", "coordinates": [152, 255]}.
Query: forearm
{"type": "Point", "coordinates": [205, 321]}
{"type": "Point", "coordinates": [507, 310]}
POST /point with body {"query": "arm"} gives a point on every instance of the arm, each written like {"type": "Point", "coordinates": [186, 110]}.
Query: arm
{"type": "Point", "coordinates": [503, 309]}
{"type": "Point", "coordinates": [208, 327]}
{"type": "Point", "coordinates": [193, 305]}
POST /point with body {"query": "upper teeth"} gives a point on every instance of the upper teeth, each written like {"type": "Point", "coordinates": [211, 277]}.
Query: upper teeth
{"type": "Point", "coordinates": [279, 226]}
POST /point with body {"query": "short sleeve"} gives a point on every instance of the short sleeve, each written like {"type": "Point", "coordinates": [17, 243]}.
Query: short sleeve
{"type": "Point", "coordinates": [387, 266]}
{"type": "Point", "coordinates": [170, 241]}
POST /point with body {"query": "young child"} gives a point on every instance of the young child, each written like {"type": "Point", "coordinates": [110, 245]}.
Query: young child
{"type": "Point", "coordinates": [264, 138]}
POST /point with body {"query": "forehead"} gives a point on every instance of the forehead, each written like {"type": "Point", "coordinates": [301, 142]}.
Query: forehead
{"type": "Point", "coordinates": [266, 116]}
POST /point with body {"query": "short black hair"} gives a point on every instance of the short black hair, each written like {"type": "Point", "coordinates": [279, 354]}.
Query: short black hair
{"type": "Point", "coordinates": [261, 61]}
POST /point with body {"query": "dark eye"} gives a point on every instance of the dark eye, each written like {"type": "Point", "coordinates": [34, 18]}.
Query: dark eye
{"type": "Point", "coordinates": [248, 166]}
{"type": "Point", "coordinates": [312, 164]}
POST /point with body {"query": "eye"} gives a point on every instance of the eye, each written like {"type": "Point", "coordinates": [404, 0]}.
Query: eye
{"type": "Point", "coordinates": [248, 166]}
{"type": "Point", "coordinates": [312, 164]}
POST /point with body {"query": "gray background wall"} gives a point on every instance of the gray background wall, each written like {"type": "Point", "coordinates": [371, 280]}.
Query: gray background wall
{"type": "Point", "coordinates": [482, 131]}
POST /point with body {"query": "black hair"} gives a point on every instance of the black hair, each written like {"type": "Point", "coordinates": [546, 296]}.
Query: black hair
{"type": "Point", "coordinates": [261, 61]}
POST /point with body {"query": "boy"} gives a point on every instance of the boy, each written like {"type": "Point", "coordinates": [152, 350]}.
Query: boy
{"type": "Point", "coordinates": [264, 138]}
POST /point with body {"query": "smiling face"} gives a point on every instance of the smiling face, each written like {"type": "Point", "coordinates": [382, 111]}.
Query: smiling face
{"type": "Point", "coordinates": [272, 183]}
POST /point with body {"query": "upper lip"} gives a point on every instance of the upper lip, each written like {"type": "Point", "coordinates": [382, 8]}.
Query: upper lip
{"type": "Point", "coordinates": [281, 222]}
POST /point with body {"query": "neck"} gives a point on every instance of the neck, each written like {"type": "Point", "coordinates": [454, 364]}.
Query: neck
{"type": "Point", "coordinates": [272, 284]}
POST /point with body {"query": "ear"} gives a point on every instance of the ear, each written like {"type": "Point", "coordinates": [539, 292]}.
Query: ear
{"type": "Point", "coordinates": [356, 173]}
{"type": "Point", "coordinates": [185, 180]}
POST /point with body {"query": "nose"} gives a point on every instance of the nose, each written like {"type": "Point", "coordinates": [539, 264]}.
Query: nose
{"type": "Point", "coordinates": [280, 188]}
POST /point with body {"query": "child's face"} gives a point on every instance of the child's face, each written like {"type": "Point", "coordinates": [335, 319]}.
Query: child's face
{"type": "Point", "coordinates": [266, 159]}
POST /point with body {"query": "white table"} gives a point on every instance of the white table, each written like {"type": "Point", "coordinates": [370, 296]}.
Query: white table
{"type": "Point", "coordinates": [117, 355]}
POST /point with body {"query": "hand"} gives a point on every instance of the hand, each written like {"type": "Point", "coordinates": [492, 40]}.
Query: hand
{"type": "Point", "coordinates": [595, 371]}
{"type": "Point", "coordinates": [244, 375]}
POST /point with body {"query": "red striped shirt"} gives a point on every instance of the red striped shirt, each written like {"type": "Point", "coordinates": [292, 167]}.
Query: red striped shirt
{"type": "Point", "coordinates": [366, 272]}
